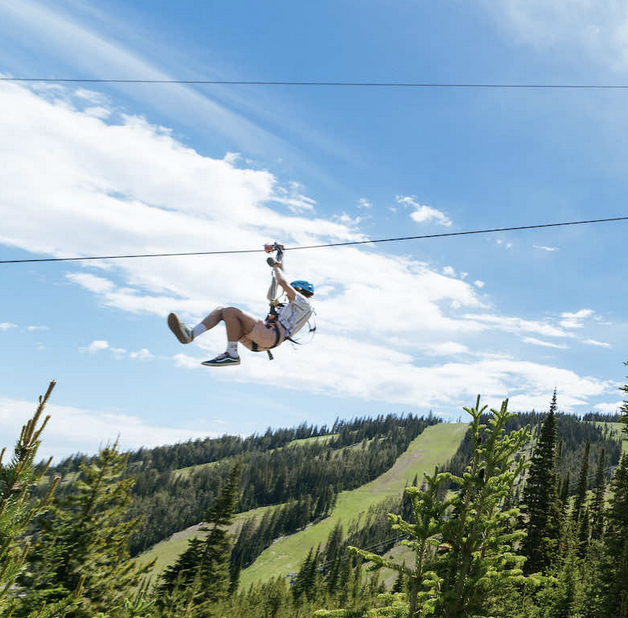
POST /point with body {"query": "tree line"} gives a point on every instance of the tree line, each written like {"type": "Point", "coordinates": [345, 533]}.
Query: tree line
{"type": "Point", "coordinates": [506, 542]}
{"type": "Point", "coordinates": [360, 451]}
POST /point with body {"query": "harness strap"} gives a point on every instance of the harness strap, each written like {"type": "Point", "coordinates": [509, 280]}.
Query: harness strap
{"type": "Point", "coordinates": [256, 348]}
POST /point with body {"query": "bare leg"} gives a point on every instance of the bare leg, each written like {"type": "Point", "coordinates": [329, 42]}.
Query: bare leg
{"type": "Point", "coordinates": [237, 322]}
{"type": "Point", "coordinates": [213, 318]}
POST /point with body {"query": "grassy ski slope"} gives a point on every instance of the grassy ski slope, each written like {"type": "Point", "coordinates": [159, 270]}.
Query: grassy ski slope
{"type": "Point", "coordinates": [434, 446]}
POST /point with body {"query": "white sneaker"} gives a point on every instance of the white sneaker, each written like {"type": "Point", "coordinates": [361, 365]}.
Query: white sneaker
{"type": "Point", "coordinates": [180, 329]}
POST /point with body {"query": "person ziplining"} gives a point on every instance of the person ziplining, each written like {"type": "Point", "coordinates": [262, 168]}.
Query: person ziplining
{"type": "Point", "coordinates": [283, 321]}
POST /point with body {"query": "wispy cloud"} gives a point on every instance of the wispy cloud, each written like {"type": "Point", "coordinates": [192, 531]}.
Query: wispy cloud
{"type": "Point", "coordinates": [547, 344]}
{"type": "Point", "coordinates": [119, 353]}
{"type": "Point", "coordinates": [599, 344]}
{"type": "Point", "coordinates": [422, 213]}
{"type": "Point", "coordinates": [576, 319]}
{"type": "Point", "coordinates": [73, 430]}
{"type": "Point", "coordinates": [131, 185]}
{"type": "Point", "coordinates": [95, 346]}
{"type": "Point", "coordinates": [545, 248]}
{"type": "Point", "coordinates": [608, 407]}
{"type": "Point", "coordinates": [596, 30]}
{"type": "Point", "coordinates": [7, 325]}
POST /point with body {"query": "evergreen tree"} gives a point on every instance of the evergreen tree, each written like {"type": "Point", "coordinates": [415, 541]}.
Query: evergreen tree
{"type": "Point", "coordinates": [583, 484]}
{"type": "Point", "coordinates": [597, 508]}
{"type": "Point", "coordinates": [564, 494]}
{"type": "Point", "coordinates": [475, 537]}
{"type": "Point", "coordinates": [17, 511]}
{"type": "Point", "coordinates": [616, 541]}
{"type": "Point", "coordinates": [204, 566]}
{"type": "Point", "coordinates": [561, 599]}
{"type": "Point", "coordinates": [541, 499]}
{"type": "Point", "coordinates": [84, 539]}
{"type": "Point", "coordinates": [333, 556]}
{"type": "Point", "coordinates": [584, 531]}
{"type": "Point", "coordinates": [305, 580]}
{"type": "Point", "coordinates": [624, 408]}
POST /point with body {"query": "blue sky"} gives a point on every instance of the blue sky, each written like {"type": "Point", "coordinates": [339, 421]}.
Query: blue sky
{"type": "Point", "coordinates": [407, 327]}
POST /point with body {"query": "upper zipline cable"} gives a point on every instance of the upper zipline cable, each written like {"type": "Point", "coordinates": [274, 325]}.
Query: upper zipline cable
{"type": "Point", "coordinates": [320, 246]}
{"type": "Point", "coordinates": [225, 82]}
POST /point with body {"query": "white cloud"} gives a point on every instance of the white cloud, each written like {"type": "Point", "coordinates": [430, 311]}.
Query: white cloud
{"type": "Point", "coordinates": [578, 315]}
{"type": "Point", "coordinates": [600, 344]}
{"type": "Point", "coordinates": [449, 271]}
{"type": "Point", "coordinates": [546, 344]}
{"type": "Point", "coordinates": [596, 30]}
{"type": "Point", "coordinates": [575, 320]}
{"type": "Point", "coordinates": [142, 354]}
{"type": "Point", "coordinates": [119, 353]}
{"type": "Point", "coordinates": [71, 429]}
{"type": "Point", "coordinates": [545, 248]}
{"type": "Point", "coordinates": [364, 203]}
{"type": "Point", "coordinates": [37, 328]}
{"type": "Point", "coordinates": [447, 348]}
{"type": "Point", "coordinates": [383, 374]}
{"type": "Point", "coordinates": [519, 325]}
{"type": "Point", "coordinates": [7, 325]}
{"type": "Point", "coordinates": [422, 213]}
{"type": "Point", "coordinates": [95, 346]}
{"type": "Point", "coordinates": [130, 187]}
{"type": "Point", "coordinates": [292, 197]}
{"type": "Point", "coordinates": [478, 283]}
{"type": "Point", "coordinates": [608, 407]}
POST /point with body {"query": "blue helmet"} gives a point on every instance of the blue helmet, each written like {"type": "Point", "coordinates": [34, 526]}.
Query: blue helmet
{"type": "Point", "coordinates": [303, 286]}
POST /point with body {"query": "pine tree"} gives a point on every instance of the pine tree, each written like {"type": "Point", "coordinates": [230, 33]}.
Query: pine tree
{"type": "Point", "coordinates": [84, 539]}
{"type": "Point", "coordinates": [333, 556]}
{"type": "Point", "coordinates": [584, 531]}
{"type": "Point", "coordinates": [616, 541]}
{"type": "Point", "coordinates": [541, 499]}
{"type": "Point", "coordinates": [624, 408]}
{"type": "Point", "coordinates": [564, 494]}
{"type": "Point", "coordinates": [464, 545]}
{"type": "Point", "coordinates": [17, 511]}
{"type": "Point", "coordinates": [304, 582]}
{"type": "Point", "coordinates": [204, 566]}
{"type": "Point", "coordinates": [583, 484]}
{"type": "Point", "coordinates": [561, 599]}
{"type": "Point", "coordinates": [597, 508]}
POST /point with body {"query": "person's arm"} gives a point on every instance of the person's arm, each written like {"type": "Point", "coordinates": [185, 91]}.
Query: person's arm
{"type": "Point", "coordinates": [272, 289]}
{"type": "Point", "coordinates": [287, 288]}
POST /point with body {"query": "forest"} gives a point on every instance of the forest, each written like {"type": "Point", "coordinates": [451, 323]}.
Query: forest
{"type": "Point", "coordinates": [527, 520]}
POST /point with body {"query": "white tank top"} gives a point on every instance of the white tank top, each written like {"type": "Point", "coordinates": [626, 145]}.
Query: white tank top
{"type": "Point", "coordinates": [295, 314]}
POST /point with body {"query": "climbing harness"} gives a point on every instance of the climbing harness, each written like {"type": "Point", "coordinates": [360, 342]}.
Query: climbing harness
{"type": "Point", "coordinates": [272, 319]}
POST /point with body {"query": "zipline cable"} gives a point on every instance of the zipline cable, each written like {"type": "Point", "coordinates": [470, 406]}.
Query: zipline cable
{"type": "Point", "coordinates": [345, 84]}
{"type": "Point", "coordinates": [319, 246]}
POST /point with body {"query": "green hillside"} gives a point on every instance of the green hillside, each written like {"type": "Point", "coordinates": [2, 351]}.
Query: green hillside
{"type": "Point", "coordinates": [434, 446]}
{"type": "Point", "coordinates": [617, 430]}
{"type": "Point", "coordinates": [167, 551]}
